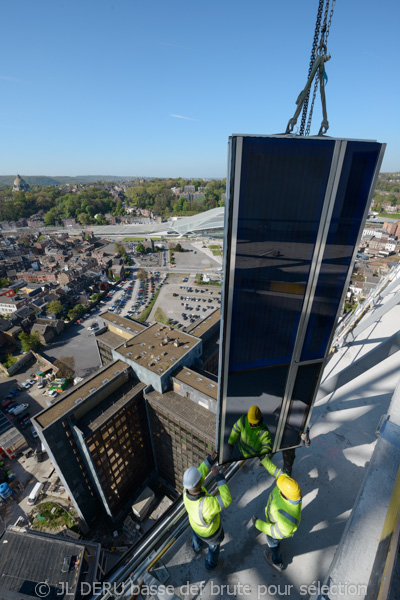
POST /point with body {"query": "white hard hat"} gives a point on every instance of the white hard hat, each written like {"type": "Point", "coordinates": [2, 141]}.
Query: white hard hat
{"type": "Point", "coordinates": [191, 478]}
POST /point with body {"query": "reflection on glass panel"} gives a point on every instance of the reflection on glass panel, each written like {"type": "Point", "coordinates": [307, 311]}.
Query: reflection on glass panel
{"type": "Point", "coordinates": [351, 198]}
{"type": "Point", "coordinates": [283, 185]}
{"type": "Point", "coordinates": [302, 398]}
{"type": "Point", "coordinates": [263, 388]}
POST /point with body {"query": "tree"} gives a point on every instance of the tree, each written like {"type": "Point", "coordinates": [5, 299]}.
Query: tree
{"type": "Point", "coordinates": [50, 217]}
{"type": "Point", "coordinates": [65, 366]}
{"type": "Point", "coordinates": [76, 311]}
{"type": "Point", "coordinates": [30, 342]}
{"type": "Point", "coordinates": [119, 249]}
{"type": "Point", "coordinates": [4, 282]}
{"type": "Point", "coordinates": [84, 218]}
{"type": "Point", "coordinates": [95, 297]}
{"type": "Point", "coordinates": [55, 307]}
{"type": "Point", "coordinates": [140, 248]}
{"type": "Point", "coordinates": [142, 275]}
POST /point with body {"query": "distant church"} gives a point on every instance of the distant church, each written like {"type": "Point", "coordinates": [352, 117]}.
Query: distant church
{"type": "Point", "coordinates": [20, 185]}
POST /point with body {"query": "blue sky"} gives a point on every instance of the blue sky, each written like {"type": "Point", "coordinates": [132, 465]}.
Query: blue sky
{"type": "Point", "coordinates": [155, 88]}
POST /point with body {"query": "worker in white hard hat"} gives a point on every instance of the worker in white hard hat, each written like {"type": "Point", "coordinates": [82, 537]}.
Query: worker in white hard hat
{"type": "Point", "coordinates": [203, 509]}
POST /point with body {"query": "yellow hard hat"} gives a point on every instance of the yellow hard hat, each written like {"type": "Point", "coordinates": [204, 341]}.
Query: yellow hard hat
{"type": "Point", "coordinates": [289, 487]}
{"type": "Point", "coordinates": [254, 415]}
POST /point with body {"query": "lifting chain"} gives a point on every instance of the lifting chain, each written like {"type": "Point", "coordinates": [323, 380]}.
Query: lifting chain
{"type": "Point", "coordinates": [312, 59]}
{"type": "Point", "coordinates": [319, 56]}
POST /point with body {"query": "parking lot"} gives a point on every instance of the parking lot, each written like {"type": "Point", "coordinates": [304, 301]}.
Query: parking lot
{"type": "Point", "coordinates": [185, 302]}
{"type": "Point", "coordinates": [34, 397]}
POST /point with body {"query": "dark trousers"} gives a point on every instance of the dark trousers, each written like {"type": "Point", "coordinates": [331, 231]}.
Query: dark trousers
{"type": "Point", "coordinates": [213, 551]}
{"type": "Point", "coordinates": [274, 545]}
{"type": "Point", "coordinates": [288, 460]}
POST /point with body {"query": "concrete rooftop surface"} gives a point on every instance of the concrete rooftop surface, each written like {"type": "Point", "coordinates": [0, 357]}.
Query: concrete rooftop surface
{"type": "Point", "coordinates": [330, 472]}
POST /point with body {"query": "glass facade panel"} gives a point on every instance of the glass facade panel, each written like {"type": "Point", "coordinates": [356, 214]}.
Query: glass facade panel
{"type": "Point", "coordinates": [281, 198]}
{"type": "Point", "coordinates": [347, 218]}
{"type": "Point", "coordinates": [294, 215]}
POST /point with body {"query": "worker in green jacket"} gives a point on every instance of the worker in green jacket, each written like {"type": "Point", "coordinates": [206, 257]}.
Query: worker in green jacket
{"type": "Point", "coordinates": [283, 514]}
{"type": "Point", "coordinates": [254, 436]}
{"type": "Point", "coordinates": [203, 509]}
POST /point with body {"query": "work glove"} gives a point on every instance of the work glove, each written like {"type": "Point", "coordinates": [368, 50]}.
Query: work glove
{"type": "Point", "coordinates": [253, 520]}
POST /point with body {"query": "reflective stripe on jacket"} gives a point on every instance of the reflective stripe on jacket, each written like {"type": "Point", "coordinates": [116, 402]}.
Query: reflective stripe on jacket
{"type": "Point", "coordinates": [282, 516]}
{"type": "Point", "coordinates": [203, 509]}
{"type": "Point", "coordinates": [253, 440]}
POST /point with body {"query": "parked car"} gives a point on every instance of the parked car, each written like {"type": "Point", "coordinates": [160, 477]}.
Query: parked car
{"type": "Point", "coordinates": [25, 385]}
{"type": "Point", "coordinates": [30, 381]}
{"type": "Point", "coordinates": [52, 393]}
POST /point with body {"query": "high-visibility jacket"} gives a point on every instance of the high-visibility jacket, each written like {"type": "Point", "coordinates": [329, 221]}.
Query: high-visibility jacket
{"type": "Point", "coordinates": [253, 440]}
{"type": "Point", "coordinates": [203, 509]}
{"type": "Point", "coordinates": [282, 515]}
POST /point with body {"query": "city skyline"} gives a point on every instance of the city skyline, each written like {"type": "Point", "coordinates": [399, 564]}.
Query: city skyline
{"type": "Point", "coordinates": [155, 90]}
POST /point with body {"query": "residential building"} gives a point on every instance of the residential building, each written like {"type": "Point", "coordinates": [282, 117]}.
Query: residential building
{"type": "Point", "coordinates": [10, 305]}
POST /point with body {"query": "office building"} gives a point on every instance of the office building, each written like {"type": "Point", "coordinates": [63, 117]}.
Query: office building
{"type": "Point", "coordinates": [97, 438]}
{"type": "Point", "coordinates": [115, 331]}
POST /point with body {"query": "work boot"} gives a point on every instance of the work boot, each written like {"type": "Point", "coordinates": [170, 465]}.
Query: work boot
{"type": "Point", "coordinates": [278, 566]}
{"type": "Point", "coordinates": [219, 564]}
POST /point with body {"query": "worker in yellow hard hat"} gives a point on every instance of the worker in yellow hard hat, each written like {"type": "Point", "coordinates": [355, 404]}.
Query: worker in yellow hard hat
{"type": "Point", "coordinates": [283, 514]}
{"type": "Point", "coordinates": [253, 435]}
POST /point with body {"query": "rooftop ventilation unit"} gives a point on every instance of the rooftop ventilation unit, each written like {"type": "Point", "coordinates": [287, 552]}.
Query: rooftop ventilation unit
{"type": "Point", "coordinates": [186, 346]}
{"type": "Point", "coordinates": [164, 353]}
{"type": "Point", "coordinates": [105, 380]}
{"type": "Point", "coordinates": [138, 356]}
{"type": "Point", "coordinates": [117, 372]}
{"type": "Point", "coordinates": [199, 379]}
{"type": "Point", "coordinates": [187, 373]}
{"type": "Point", "coordinates": [93, 389]}
{"type": "Point", "coordinates": [157, 359]}
{"type": "Point", "coordinates": [78, 400]}
{"type": "Point", "coordinates": [129, 353]}
{"type": "Point", "coordinates": [160, 370]}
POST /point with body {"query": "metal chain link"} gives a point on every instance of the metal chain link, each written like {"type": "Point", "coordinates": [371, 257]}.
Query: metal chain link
{"type": "Point", "coordinates": [322, 48]}
{"type": "Point", "coordinates": [329, 22]}
{"type": "Point", "coordinates": [312, 59]}
{"type": "Point", "coordinates": [307, 132]}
